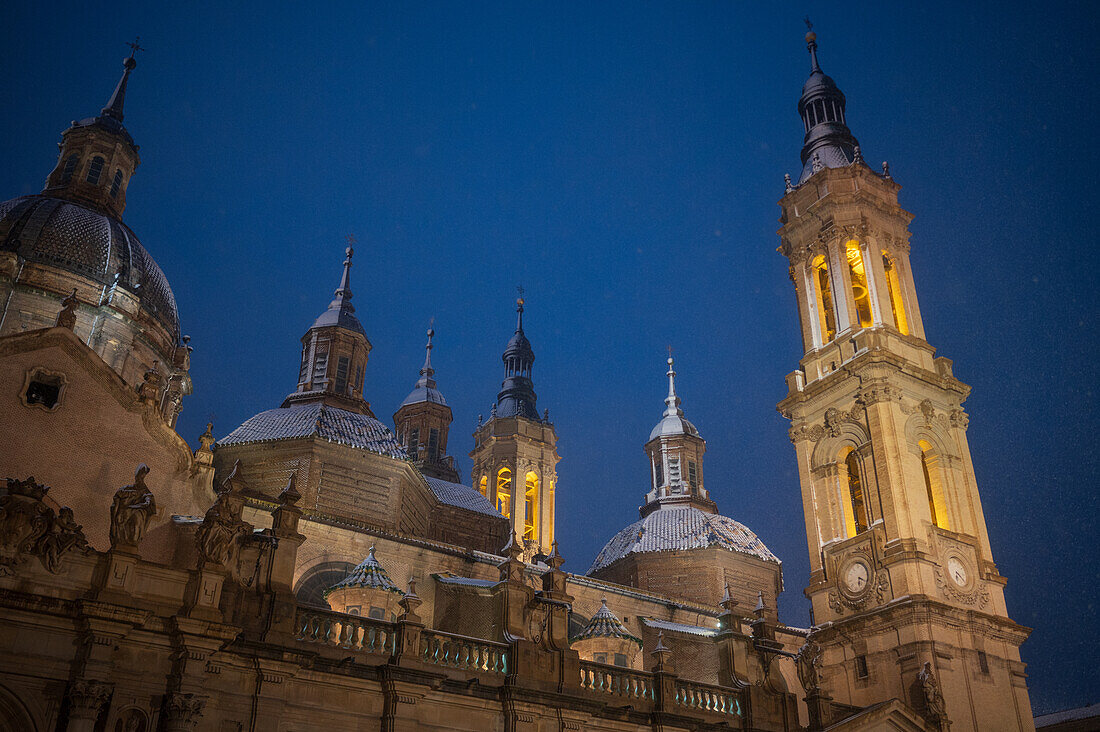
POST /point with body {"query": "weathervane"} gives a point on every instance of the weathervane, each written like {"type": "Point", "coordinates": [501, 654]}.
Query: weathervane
{"type": "Point", "coordinates": [135, 46]}
{"type": "Point", "coordinates": [809, 25]}
{"type": "Point", "coordinates": [520, 291]}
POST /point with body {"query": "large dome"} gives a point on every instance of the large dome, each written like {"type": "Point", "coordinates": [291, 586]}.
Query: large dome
{"type": "Point", "coordinates": [88, 243]}
{"type": "Point", "coordinates": [671, 528]}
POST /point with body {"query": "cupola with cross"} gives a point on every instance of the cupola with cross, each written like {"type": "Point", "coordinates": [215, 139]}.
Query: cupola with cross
{"type": "Point", "coordinates": [423, 421]}
{"type": "Point", "coordinates": [334, 353]}
{"type": "Point", "coordinates": [515, 451]}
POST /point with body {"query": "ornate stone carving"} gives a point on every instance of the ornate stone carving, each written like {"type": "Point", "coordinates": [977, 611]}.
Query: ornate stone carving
{"type": "Point", "coordinates": [87, 697]}
{"type": "Point", "coordinates": [182, 711]}
{"type": "Point", "coordinates": [131, 510]}
{"type": "Point", "coordinates": [66, 318]}
{"type": "Point", "coordinates": [218, 538]}
{"type": "Point", "coordinates": [875, 592]}
{"type": "Point", "coordinates": [959, 419]}
{"type": "Point", "coordinates": [876, 392]}
{"type": "Point", "coordinates": [149, 390]}
{"type": "Point", "coordinates": [935, 709]}
{"type": "Point", "coordinates": [833, 423]}
{"type": "Point", "coordinates": [808, 665]}
{"type": "Point", "coordinates": [28, 527]}
{"type": "Point", "coordinates": [979, 595]}
{"type": "Point", "coordinates": [927, 410]}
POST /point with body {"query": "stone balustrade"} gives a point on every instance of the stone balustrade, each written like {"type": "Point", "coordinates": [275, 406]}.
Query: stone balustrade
{"type": "Point", "coordinates": [707, 698]}
{"type": "Point", "coordinates": [350, 632]}
{"type": "Point", "coordinates": [462, 652]}
{"type": "Point", "coordinates": [616, 680]}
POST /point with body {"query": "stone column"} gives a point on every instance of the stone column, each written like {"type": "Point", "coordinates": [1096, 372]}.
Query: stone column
{"type": "Point", "coordinates": [87, 699]}
{"type": "Point", "coordinates": [181, 712]}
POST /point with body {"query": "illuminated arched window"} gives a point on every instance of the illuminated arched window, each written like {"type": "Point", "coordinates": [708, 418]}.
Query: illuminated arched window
{"type": "Point", "coordinates": [893, 285]}
{"type": "Point", "coordinates": [933, 485]}
{"type": "Point", "coordinates": [860, 292]}
{"type": "Point", "coordinates": [826, 317]}
{"type": "Point", "coordinates": [550, 513]}
{"type": "Point", "coordinates": [504, 492]}
{"type": "Point", "coordinates": [95, 169]}
{"type": "Point", "coordinates": [70, 167]}
{"type": "Point", "coordinates": [855, 513]}
{"type": "Point", "coordinates": [483, 486]}
{"type": "Point", "coordinates": [531, 508]}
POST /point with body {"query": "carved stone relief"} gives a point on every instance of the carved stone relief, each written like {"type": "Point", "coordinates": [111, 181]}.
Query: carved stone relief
{"type": "Point", "coordinates": [30, 528]}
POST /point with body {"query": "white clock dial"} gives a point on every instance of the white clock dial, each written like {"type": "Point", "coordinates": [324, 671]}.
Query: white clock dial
{"type": "Point", "coordinates": [856, 576]}
{"type": "Point", "coordinates": [956, 570]}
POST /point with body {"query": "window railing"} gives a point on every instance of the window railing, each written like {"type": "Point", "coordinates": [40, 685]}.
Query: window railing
{"type": "Point", "coordinates": [462, 652]}
{"type": "Point", "coordinates": [707, 698]}
{"type": "Point", "coordinates": [616, 680]}
{"type": "Point", "coordinates": [350, 632]}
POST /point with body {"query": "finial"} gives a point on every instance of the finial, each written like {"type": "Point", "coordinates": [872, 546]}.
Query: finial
{"type": "Point", "coordinates": [290, 495]}
{"type": "Point", "coordinates": [672, 400]}
{"type": "Point", "coordinates": [816, 164]}
{"type": "Point", "coordinates": [811, 44]}
{"type": "Point", "coordinates": [370, 553]}
{"type": "Point", "coordinates": [343, 292]}
{"type": "Point", "coordinates": [118, 99]}
{"type": "Point", "coordinates": [428, 370]}
{"type": "Point", "coordinates": [886, 170]}
{"type": "Point", "coordinates": [857, 156]}
{"type": "Point", "coordinates": [787, 185]}
{"type": "Point", "coordinates": [520, 302]}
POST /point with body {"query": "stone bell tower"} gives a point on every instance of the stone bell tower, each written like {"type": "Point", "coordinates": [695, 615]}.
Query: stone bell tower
{"type": "Point", "coordinates": [905, 593]}
{"type": "Point", "coordinates": [515, 453]}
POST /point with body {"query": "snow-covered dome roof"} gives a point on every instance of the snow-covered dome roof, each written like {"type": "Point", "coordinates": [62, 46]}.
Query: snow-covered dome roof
{"type": "Point", "coordinates": [681, 527]}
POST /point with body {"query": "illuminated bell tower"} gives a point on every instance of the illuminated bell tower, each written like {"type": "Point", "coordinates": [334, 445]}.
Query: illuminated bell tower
{"type": "Point", "coordinates": [902, 573]}
{"type": "Point", "coordinates": [515, 452]}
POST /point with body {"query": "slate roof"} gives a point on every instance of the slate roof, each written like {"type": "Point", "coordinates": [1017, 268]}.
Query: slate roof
{"type": "Point", "coordinates": [462, 496]}
{"type": "Point", "coordinates": [369, 574]}
{"type": "Point", "coordinates": [679, 627]}
{"type": "Point", "coordinates": [604, 624]}
{"type": "Point", "coordinates": [424, 394]}
{"type": "Point", "coordinates": [681, 527]}
{"type": "Point", "coordinates": [326, 422]}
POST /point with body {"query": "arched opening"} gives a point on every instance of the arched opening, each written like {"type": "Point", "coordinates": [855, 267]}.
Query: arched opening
{"type": "Point", "coordinates": [483, 485]}
{"type": "Point", "coordinates": [313, 583]}
{"type": "Point", "coordinates": [933, 485]}
{"type": "Point", "coordinates": [823, 291]}
{"type": "Point", "coordinates": [531, 507]}
{"type": "Point", "coordinates": [504, 492]}
{"type": "Point", "coordinates": [860, 291]}
{"type": "Point", "coordinates": [14, 716]}
{"type": "Point", "coordinates": [550, 494]}
{"type": "Point", "coordinates": [116, 184]}
{"type": "Point", "coordinates": [853, 495]}
{"type": "Point", "coordinates": [95, 169]}
{"type": "Point", "coordinates": [893, 286]}
{"type": "Point", "coordinates": [70, 167]}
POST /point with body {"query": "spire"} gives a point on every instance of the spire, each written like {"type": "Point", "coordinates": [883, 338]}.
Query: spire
{"type": "Point", "coordinates": [118, 99]}
{"type": "Point", "coordinates": [828, 142]}
{"type": "Point", "coordinates": [672, 402]}
{"type": "Point", "coordinates": [427, 372]}
{"type": "Point", "coordinates": [517, 394]}
{"type": "Point", "coordinates": [672, 420]}
{"type": "Point", "coordinates": [343, 292]}
{"type": "Point", "coordinates": [340, 310]}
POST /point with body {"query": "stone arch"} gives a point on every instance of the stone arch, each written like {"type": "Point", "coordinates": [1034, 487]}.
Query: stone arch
{"type": "Point", "coordinates": [315, 579]}
{"type": "Point", "coordinates": [132, 719]}
{"type": "Point", "coordinates": [832, 448]}
{"type": "Point", "coordinates": [918, 428]}
{"type": "Point", "coordinates": [14, 714]}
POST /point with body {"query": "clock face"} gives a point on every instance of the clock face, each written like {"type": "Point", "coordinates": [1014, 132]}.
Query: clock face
{"type": "Point", "coordinates": [956, 570]}
{"type": "Point", "coordinates": [856, 576]}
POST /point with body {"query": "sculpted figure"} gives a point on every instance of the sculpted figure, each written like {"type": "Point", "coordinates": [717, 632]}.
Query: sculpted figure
{"type": "Point", "coordinates": [64, 534]}
{"type": "Point", "coordinates": [66, 318]}
{"type": "Point", "coordinates": [808, 663]}
{"type": "Point", "coordinates": [935, 708]}
{"type": "Point", "coordinates": [218, 538]}
{"type": "Point", "coordinates": [131, 510]}
{"type": "Point", "coordinates": [28, 527]}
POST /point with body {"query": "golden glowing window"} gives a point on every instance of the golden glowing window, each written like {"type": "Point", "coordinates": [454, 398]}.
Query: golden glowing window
{"type": "Point", "coordinates": [858, 517]}
{"type": "Point", "coordinates": [893, 285]}
{"type": "Point", "coordinates": [531, 508]}
{"type": "Point", "coordinates": [826, 317]}
{"type": "Point", "coordinates": [504, 492]}
{"type": "Point", "coordinates": [483, 485]}
{"type": "Point", "coordinates": [860, 292]}
{"type": "Point", "coordinates": [933, 485]}
{"type": "Point", "coordinates": [550, 512]}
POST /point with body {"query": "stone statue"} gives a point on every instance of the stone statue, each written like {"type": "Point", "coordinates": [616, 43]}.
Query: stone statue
{"type": "Point", "coordinates": [218, 538]}
{"type": "Point", "coordinates": [131, 510]}
{"type": "Point", "coordinates": [808, 664]}
{"type": "Point", "coordinates": [67, 317]}
{"type": "Point", "coordinates": [30, 528]}
{"type": "Point", "coordinates": [149, 389]}
{"type": "Point", "coordinates": [935, 710]}
{"type": "Point", "coordinates": [64, 534]}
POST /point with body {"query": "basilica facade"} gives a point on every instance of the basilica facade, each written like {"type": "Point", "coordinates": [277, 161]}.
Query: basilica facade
{"type": "Point", "coordinates": [321, 567]}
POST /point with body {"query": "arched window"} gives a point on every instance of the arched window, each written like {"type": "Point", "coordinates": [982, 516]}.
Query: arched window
{"type": "Point", "coordinates": [860, 293]}
{"type": "Point", "coordinates": [116, 184]}
{"type": "Point", "coordinates": [483, 485]}
{"type": "Point", "coordinates": [70, 167]}
{"type": "Point", "coordinates": [933, 485]}
{"type": "Point", "coordinates": [531, 508]}
{"type": "Point", "coordinates": [504, 492]}
{"type": "Point", "coordinates": [893, 285]}
{"type": "Point", "coordinates": [826, 317]}
{"type": "Point", "coordinates": [95, 169]}
{"type": "Point", "coordinates": [857, 518]}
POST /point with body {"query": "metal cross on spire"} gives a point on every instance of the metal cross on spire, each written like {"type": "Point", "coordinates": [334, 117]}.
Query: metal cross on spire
{"type": "Point", "coordinates": [135, 46]}
{"type": "Point", "coordinates": [809, 25]}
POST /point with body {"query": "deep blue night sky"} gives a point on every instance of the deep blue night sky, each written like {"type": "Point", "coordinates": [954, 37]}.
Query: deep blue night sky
{"type": "Point", "coordinates": [622, 162]}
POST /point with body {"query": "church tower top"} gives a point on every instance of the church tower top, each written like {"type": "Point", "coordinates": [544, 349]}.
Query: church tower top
{"type": "Point", "coordinates": [828, 142]}
{"type": "Point", "coordinates": [517, 392]}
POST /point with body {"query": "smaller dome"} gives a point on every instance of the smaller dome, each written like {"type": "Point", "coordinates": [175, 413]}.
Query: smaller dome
{"type": "Point", "coordinates": [604, 624]}
{"type": "Point", "coordinates": [340, 317]}
{"type": "Point", "coordinates": [672, 528]}
{"type": "Point", "coordinates": [298, 421]}
{"type": "Point", "coordinates": [673, 424]}
{"type": "Point", "coordinates": [368, 575]}
{"type": "Point", "coordinates": [820, 82]}
{"type": "Point", "coordinates": [424, 394]}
